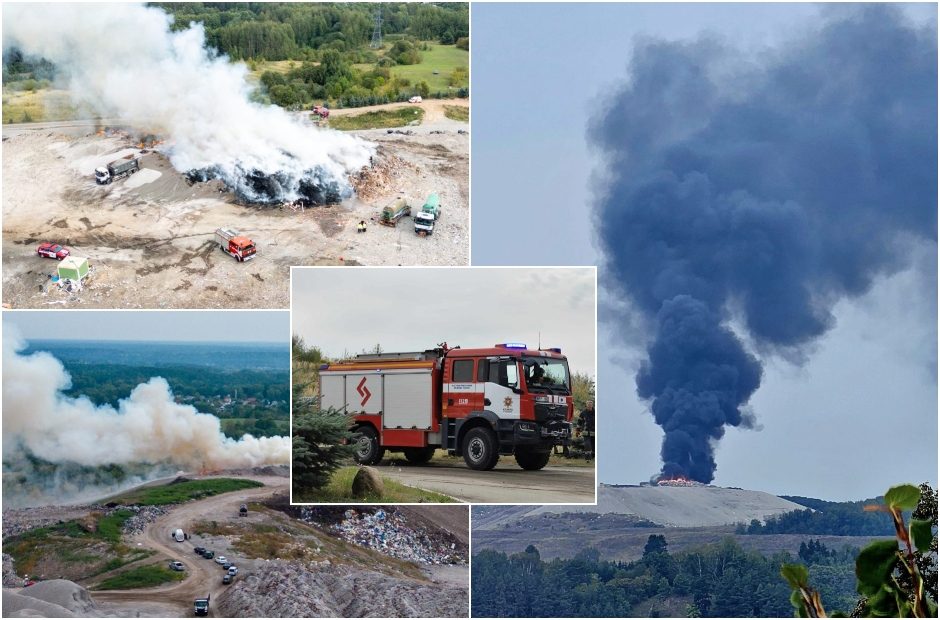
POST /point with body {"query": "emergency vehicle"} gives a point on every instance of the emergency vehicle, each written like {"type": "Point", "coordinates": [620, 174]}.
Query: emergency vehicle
{"type": "Point", "coordinates": [476, 403]}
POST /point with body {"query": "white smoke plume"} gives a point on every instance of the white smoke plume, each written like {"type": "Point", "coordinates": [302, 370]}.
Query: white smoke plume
{"type": "Point", "coordinates": [146, 428]}
{"type": "Point", "coordinates": [125, 62]}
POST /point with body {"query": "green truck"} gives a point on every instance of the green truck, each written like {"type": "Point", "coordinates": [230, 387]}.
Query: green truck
{"type": "Point", "coordinates": [430, 212]}
{"type": "Point", "coordinates": [395, 210]}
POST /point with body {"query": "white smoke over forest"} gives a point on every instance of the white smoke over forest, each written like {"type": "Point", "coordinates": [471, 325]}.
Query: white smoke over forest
{"type": "Point", "coordinates": [148, 432]}
{"type": "Point", "coordinates": [124, 61]}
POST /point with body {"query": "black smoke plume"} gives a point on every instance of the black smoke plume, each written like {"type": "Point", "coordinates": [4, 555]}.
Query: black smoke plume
{"type": "Point", "coordinates": [764, 192]}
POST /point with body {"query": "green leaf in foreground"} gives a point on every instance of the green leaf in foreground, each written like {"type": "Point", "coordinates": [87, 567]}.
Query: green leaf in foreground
{"type": "Point", "coordinates": [903, 497]}
{"type": "Point", "coordinates": [796, 575]}
{"type": "Point", "coordinates": [922, 534]}
{"type": "Point", "coordinates": [874, 564]}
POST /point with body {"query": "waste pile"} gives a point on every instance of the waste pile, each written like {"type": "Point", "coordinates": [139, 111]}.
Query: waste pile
{"type": "Point", "coordinates": [10, 578]}
{"type": "Point", "coordinates": [143, 515]}
{"type": "Point", "coordinates": [385, 172]}
{"type": "Point", "coordinates": [390, 533]}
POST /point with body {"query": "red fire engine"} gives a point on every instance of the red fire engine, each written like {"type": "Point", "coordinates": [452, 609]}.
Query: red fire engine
{"type": "Point", "coordinates": [475, 403]}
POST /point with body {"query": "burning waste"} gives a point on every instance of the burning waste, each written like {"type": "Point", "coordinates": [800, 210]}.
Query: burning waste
{"type": "Point", "coordinates": [742, 200]}
{"type": "Point", "coordinates": [59, 442]}
{"type": "Point", "coordinates": [126, 63]}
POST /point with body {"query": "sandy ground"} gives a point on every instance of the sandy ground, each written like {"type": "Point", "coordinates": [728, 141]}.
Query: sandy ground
{"type": "Point", "coordinates": [149, 237]}
{"type": "Point", "coordinates": [507, 483]}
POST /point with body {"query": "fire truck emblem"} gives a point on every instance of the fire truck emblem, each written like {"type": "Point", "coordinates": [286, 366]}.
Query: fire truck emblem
{"type": "Point", "coordinates": [507, 402]}
{"type": "Point", "coordinates": [364, 392]}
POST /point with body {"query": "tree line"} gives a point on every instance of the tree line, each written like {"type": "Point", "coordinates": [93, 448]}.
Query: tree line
{"type": "Point", "coordinates": [717, 580]}
{"type": "Point", "coordinates": [296, 31]}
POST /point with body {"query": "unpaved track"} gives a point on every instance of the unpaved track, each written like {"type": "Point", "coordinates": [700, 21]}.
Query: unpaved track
{"type": "Point", "coordinates": [506, 484]}
{"type": "Point", "coordinates": [202, 576]}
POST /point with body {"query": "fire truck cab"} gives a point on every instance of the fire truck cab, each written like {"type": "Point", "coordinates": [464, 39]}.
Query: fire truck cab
{"type": "Point", "coordinates": [475, 403]}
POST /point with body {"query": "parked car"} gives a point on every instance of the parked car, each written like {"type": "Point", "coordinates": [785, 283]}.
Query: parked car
{"type": "Point", "coordinates": [221, 560]}
{"type": "Point", "coordinates": [226, 579]}
{"type": "Point", "coordinates": [208, 554]}
{"type": "Point", "coordinates": [232, 570]}
{"type": "Point", "coordinates": [199, 550]}
{"type": "Point", "coordinates": [53, 250]}
{"type": "Point", "coordinates": [415, 99]}
{"type": "Point", "coordinates": [177, 566]}
{"type": "Point", "coordinates": [227, 566]}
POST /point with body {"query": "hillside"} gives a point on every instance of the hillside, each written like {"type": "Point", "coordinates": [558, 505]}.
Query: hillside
{"type": "Point", "coordinates": [702, 506]}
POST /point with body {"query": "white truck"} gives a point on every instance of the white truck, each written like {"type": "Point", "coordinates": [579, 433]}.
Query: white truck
{"type": "Point", "coordinates": [117, 169]}
{"type": "Point", "coordinates": [179, 535]}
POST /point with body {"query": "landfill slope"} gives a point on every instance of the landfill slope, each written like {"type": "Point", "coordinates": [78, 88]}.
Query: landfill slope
{"type": "Point", "coordinates": [328, 590]}
{"type": "Point", "coordinates": [696, 506]}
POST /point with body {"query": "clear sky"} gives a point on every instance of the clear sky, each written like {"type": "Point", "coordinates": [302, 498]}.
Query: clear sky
{"type": "Point", "coordinates": [141, 325]}
{"type": "Point", "coordinates": [346, 311]}
{"type": "Point", "coordinates": [539, 73]}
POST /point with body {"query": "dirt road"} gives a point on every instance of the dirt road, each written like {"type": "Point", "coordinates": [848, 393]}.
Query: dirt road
{"type": "Point", "coordinates": [202, 576]}
{"type": "Point", "coordinates": [505, 484]}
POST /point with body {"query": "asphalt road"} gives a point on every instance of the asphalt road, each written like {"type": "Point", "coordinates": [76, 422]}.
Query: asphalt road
{"type": "Point", "coordinates": [507, 483]}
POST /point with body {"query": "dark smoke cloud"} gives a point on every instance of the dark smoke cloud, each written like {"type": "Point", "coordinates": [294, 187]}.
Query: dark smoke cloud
{"type": "Point", "coordinates": [763, 191]}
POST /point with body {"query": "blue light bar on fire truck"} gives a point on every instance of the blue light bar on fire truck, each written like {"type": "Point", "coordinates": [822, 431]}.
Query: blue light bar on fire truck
{"type": "Point", "coordinates": [511, 345]}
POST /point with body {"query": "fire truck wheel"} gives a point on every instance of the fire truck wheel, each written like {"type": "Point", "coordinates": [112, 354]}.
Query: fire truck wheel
{"type": "Point", "coordinates": [479, 448]}
{"type": "Point", "coordinates": [418, 456]}
{"type": "Point", "coordinates": [368, 451]}
{"type": "Point", "coordinates": [532, 461]}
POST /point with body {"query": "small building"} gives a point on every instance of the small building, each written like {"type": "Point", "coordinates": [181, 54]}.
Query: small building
{"type": "Point", "coordinates": [73, 268]}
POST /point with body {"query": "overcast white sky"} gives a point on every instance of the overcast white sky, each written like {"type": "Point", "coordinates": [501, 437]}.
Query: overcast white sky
{"type": "Point", "coordinates": [413, 309]}
{"type": "Point", "coordinates": [142, 325]}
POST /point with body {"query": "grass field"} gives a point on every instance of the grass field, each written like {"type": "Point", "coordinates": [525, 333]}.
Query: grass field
{"type": "Point", "coordinates": [25, 106]}
{"type": "Point", "coordinates": [457, 113]}
{"type": "Point", "coordinates": [340, 490]}
{"type": "Point", "coordinates": [441, 58]}
{"type": "Point", "coordinates": [378, 119]}
{"type": "Point", "coordinates": [141, 577]}
{"type": "Point", "coordinates": [179, 492]}
{"type": "Point", "coordinates": [74, 548]}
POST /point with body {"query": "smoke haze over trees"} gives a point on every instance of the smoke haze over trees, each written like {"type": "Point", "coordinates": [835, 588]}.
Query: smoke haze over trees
{"type": "Point", "coordinates": [740, 201]}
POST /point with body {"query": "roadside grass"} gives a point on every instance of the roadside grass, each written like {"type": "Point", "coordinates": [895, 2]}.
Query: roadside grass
{"type": "Point", "coordinates": [141, 577]}
{"type": "Point", "coordinates": [559, 460]}
{"type": "Point", "coordinates": [377, 119]}
{"type": "Point", "coordinates": [457, 113]}
{"type": "Point", "coordinates": [176, 493]}
{"type": "Point", "coordinates": [441, 58]}
{"type": "Point", "coordinates": [339, 489]}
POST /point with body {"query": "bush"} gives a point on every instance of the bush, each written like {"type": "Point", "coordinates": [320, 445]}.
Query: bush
{"type": "Point", "coordinates": [463, 43]}
{"type": "Point", "coordinates": [318, 439]}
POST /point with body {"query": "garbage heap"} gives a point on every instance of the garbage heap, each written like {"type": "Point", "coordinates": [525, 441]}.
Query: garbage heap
{"type": "Point", "coordinates": [391, 534]}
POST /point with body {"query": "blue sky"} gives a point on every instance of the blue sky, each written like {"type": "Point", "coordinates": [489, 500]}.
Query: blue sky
{"type": "Point", "coordinates": [159, 326]}
{"type": "Point", "coordinates": [539, 74]}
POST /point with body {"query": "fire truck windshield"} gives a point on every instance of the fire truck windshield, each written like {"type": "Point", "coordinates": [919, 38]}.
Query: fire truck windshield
{"type": "Point", "coordinates": [546, 374]}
